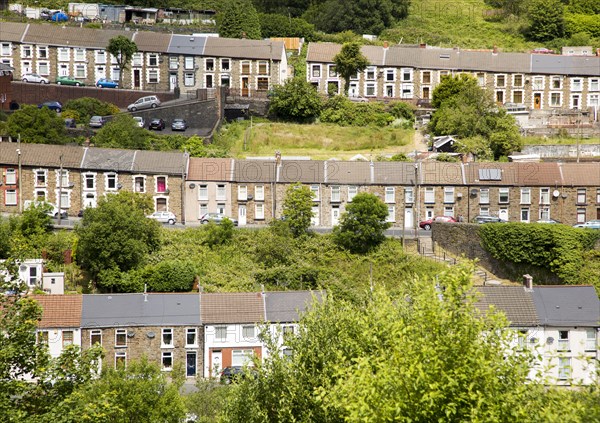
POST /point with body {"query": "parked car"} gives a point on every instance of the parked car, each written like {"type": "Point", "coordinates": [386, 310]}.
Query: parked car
{"type": "Point", "coordinates": [487, 219]}
{"type": "Point", "coordinates": [140, 121]}
{"type": "Point", "coordinates": [590, 224]}
{"type": "Point", "coordinates": [231, 373]}
{"type": "Point", "coordinates": [107, 83]}
{"type": "Point", "coordinates": [157, 124]}
{"type": "Point", "coordinates": [426, 224]}
{"type": "Point", "coordinates": [69, 80]}
{"type": "Point", "coordinates": [547, 221]}
{"type": "Point", "coordinates": [34, 77]}
{"type": "Point", "coordinates": [179, 125]}
{"type": "Point", "coordinates": [164, 217]}
{"type": "Point", "coordinates": [149, 102]}
{"type": "Point", "coordinates": [217, 218]}
{"type": "Point", "coordinates": [52, 105]}
{"type": "Point", "coordinates": [97, 121]}
{"type": "Point", "coordinates": [358, 99]}
{"type": "Point", "coordinates": [70, 123]}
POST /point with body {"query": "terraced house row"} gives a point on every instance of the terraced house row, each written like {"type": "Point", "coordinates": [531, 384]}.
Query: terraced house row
{"type": "Point", "coordinates": [252, 191]}
{"type": "Point", "coordinates": [163, 61]}
{"type": "Point", "coordinates": [537, 81]}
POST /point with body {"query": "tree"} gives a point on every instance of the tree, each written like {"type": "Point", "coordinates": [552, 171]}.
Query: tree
{"type": "Point", "coordinates": [122, 132]}
{"type": "Point", "coordinates": [86, 107]}
{"type": "Point", "coordinates": [450, 86]}
{"type": "Point", "coordinates": [296, 100]}
{"type": "Point", "coordinates": [362, 226]}
{"type": "Point", "coordinates": [116, 235]}
{"type": "Point", "coordinates": [390, 358]}
{"type": "Point", "coordinates": [122, 49]}
{"type": "Point", "coordinates": [349, 61]}
{"type": "Point", "coordinates": [297, 208]}
{"type": "Point", "coordinates": [39, 126]}
{"type": "Point", "coordinates": [546, 20]}
{"type": "Point", "coordinates": [238, 19]}
{"type": "Point", "coordinates": [274, 25]}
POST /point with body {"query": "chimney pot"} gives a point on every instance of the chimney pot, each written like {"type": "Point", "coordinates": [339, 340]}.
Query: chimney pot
{"type": "Point", "coordinates": [386, 44]}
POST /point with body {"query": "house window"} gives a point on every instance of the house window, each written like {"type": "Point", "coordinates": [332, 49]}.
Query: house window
{"type": "Point", "coordinates": [167, 360]}
{"type": "Point", "coordinates": [153, 76]}
{"type": "Point", "coordinates": [525, 195]}
{"type": "Point", "coordinates": [370, 89]}
{"type": "Point", "coordinates": [544, 213]}
{"type": "Point", "coordinates": [5, 49]}
{"type": "Point", "coordinates": [246, 68]}
{"type": "Point", "coordinates": [315, 71]}
{"type": "Point", "coordinates": [503, 195]}
{"type": "Point", "coordinates": [80, 71]}
{"type": "Point", "coordinates": [220, 333]}
{"type": "Point", "coordinates": [79, 55]}
{"type": "Point", "coordinates": [32, 276]}
{"type": "Point", "coordinates": [203, 209]}
{"type": "Point", "coordinates": [598, 196]}
{"type": "Point", "coordinates": [500, 81]}
{"type": "Point", "coordinates": [100, 56]}
{"type": "Point", "coordinates": [221, 194]}
{"type": "Point", "coordinates": [167, 338]}
{"type": "Point", "coordinates": [449, 211]}
{"type": "Point", "coordinates": [42, 337]}
{"type": "Point", "coordinates": [594, 84]}
{"type": "Point", "coordinates": [389, 90]}
{"type": "Point", "coordinates": [581, 197]}
{"type": "Point", "coordinates": [65, 199]}
{"type": "Point", "coordinates": [259, 211]}
{"type": "Point", "coordinates": [209, 65]}
{"type": "Point", "coordinates": [581, 215]}
{"type": "Point", "coordinates": [538, 83]}
{"type": "Point", "coordinates": [259, 192]}
{"type": "Point", "coordinates": [189, 79]}
{"type": "Point", "coordinates": [89, 181]}
{"type": "Point", "coordinates": [10, 197]}
{"type": "Point", "coordinates": [263, 68]}
{"type": "Point", "coordinates": [111, 181]}
{"type": "Point", "coordinates": [208, 81]}
{"type": "Point", "coordinates": [517, 80]}
{"type": "Point", "coordinates": [517, 97]}
{"type": "Point", "coordinates": [262, 84]}
{"type": "Point", "coordinates": [136, 60]}
{"type": "Point", "coordinates": [335, 193]}
{"type": "Point", "coordinates": [556, 82]}
{"type": "Point", "coordinates": [564, 368]}
{"type": "Point", "coordinates": [221, 208]}
{"type": "Point", "coordinates": [67, 338]}
{"type": "Point", "coordinates": [95, 337]}
{"type": "Point", "coordinates": [594, 100]}
{"type": "Point", "coordinates": [225, 65]}
{"type": "Point", "coordinates": [315, 191]}
{"type": "Point", "coordinates": [481, 79]}
{"type": "Point", "coordinates": [391, 216]}
{"type": "Point", "coordinates": [11, 176]}
{"type": "Point", "coordinates": [576, 84]}
{"type": "Point", "coordinates": [242, 193]}
{"type": "Point", "coordinates": [522, 340]}
{"type": "Point", "coordinates": [429, 213]}
{"type": "Point", "coordinates": [40, 195]}
{"type": "Point", "coordinates": [188, 62]}
{"type": "Point", "coordinates": [370, 73]}
{"type": "Point", "coordinates": [407, 75]}
{"type": "Point", "coordinates": [426, 76]}
{"type": "Point", "coordinates": [203, 192]}
{"type": "Point", "coordinates": [390, 195]}
{"type": "Point", "coordinates": [43, 68]}
{"type": "Point", "coordinates": [191, 337]}
{"type": "Point", "coordinates": [590, 339]}
{"type": "Point", "coordinates": [26, 52]}
{"type": "Point", "coordinates": [120, 359]}
{"type": "Point", "coordinates": [409, 196]}
{"type": "Point", "coordinates": [448, 194]}
{"type": "Point", "coordinates": [332, 71]}
{"type": "Point", "coordinates": [544, 195]}
{"type": "Point", "coordinates": [407, 91]}
{"type": "Point", "coordinates": [225, 80]}
{"type": "Point", "coordinates": [484, 196]}
{"type": "Point", "coordinates": [484, 211]}
{"type": "Point", "coordinates": [525, 215]}
{"type": "Point", "coordinates": [575, 101]}
{"type": "Point", "coordinates": [161, 204]}
{"type": "Point", "coordinates": [173, 62]}
{"type": "Point", "coordinates": [555, 99]}
{"type": "Point", "coordinates": [152, 59]}
{"type": "Point", "coordinates": [120, 338]}
{"type": "Point", "coordinates": [139, 184]}
{"type": "Point", "coordinates": [352, 191]}
{"type": "Point", "coordinates": [161, 184]}
{"type": "Point", "coordinates": [241, 357]}
{"type": "Point", "coordinates": [499, 96]}
{"type": "Point", "coordinates": [248, 333]}
{"type": "Point", "coordinates": [429, 195]}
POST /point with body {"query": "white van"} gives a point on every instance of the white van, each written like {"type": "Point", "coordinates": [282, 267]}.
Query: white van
{"type": "Point", "coordinates": [148, 102]}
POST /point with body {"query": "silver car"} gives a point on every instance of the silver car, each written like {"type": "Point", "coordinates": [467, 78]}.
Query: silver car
{"type": "Point", "coordinates": [217, 218]}
{"type": "Point", "coordinates": [149, 102]}
{"type": "Point", "coordinates": [164, 217]}
{"type": "Point", "coordinates": [34, 77]}
{"type": "Point", "coordinates": [590, 224]}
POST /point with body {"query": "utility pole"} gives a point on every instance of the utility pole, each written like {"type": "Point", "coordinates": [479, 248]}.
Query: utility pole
{"type": "Point", "coordinates": [19, 175]}
{"type": "Point", "coordinates": [59, 201]}
{"type": "Point", "coordinates": [416, 198]}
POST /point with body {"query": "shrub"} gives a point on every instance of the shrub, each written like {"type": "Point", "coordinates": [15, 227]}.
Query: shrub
{"type": "Point", "coordinates": [344, 112]}
{"type": "Point", "coordinates": [88, 107]}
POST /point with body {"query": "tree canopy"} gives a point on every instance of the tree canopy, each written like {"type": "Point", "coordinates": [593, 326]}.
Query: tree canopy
{"type": "Point", "coordinates": [122, 49]}
{"type": "Point", "coordinates": [122, 132]}
{"type": "Point", "coordinates": [39, 126]}
{"type": "Point", "coordinates": [546, 19]}
{"type": "Point", "coordinates": [349, 61]}
{"type": "Point", "coordinates": [296, 100]}
{"type": "Point", "coordinates": [238, 19]}
{"type": "Point", "coordinates": [297, 208]}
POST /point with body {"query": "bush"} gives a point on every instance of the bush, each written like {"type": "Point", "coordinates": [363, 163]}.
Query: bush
{"type": "Point", "coordinates": [167, 276]}
{"type": "Point", "coordinates": [88, 107]}
{"type": "Point", "coordinates": [344, 112]}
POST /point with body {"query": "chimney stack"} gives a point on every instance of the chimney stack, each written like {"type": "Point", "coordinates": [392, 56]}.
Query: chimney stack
{"type": "Point", "coordinates": [528, 282]}
{"type": "Point", "coordinates": [495, 50]}
{"type": "Point", "coordinates": [422, 45]}
{"type": "Point", "coordinates": [386, 44]}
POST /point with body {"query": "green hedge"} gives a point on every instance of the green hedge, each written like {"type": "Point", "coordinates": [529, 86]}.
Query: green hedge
{"type": "Point", "coordinates": [559, 248]}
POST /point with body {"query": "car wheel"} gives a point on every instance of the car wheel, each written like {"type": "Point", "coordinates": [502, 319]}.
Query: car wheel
{"type": "Point", "coordinates": [58, 83]}
{"type": "Point", "coordinates": [25, 80]}
{"type": "Point", "coordinates": [171, 221]}
{"type": "Point", "coordinates": [133, 109]}
{"type": "Point", "coordinates": [154, 105]}
{"type": "Point", "coordinates": [43, 82]}
{"type": "Point", "coordinates": [427, 227]}
{"type": "Point", "coordinates": [204, 222]}
{"type": "Point", "coordinates": [77, 84]}
{"type": "Point", "coordinates": [58, 110]}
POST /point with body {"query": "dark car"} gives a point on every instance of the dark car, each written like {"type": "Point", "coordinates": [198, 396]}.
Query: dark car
{"type": "Point", "coordinates": [426, 224]}
{"type": "Point", "coordinates": [230, 374]}
{"type": "Point", "coordinates": [70, 123]}
{"type": "Point", "coordinates": [179, 125]}
{"type": "Point", "coordinates": [157, 124]}
{"type": "Point", "coordinates": [52, 105]}
{"type": "Point", "coordinates": [488, 219]}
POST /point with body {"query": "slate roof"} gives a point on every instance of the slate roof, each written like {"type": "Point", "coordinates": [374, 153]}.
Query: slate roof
{"type": "Point", "coordinates": [44, 155]}
{"type": "Point", "coordinates": [580, 174]}
{"type": "Point", "coordinates": [152, 41]}
{"type": "Point", "coordinates": [396, 173]}
{"type": "Point", "coordinates": [187, 45]}
{"type": "Point", "coordinates": [108, 159]}
{"type": "Point", "coordinates": [59, 311]}
{"type": "Point", "coordinates": [232, 307]}
{"type": "Point", "coordinates": [12, 31]}
{"type": "Point", "coordinates": [519, 174]}
{"type": "Point", "coordinates": [342, 172]}
{"type": "Point", "coordinates": [287, 306]}
{"type": "Point", "coordinates": [440, 173]}
{"type": "Point", "coordinates": [565, 65]}
{"type": "Point", "coordinates": [305, 171]}
{"type": "Point", "coordinates": [254, 171]}
{"type": "Point", "coordinates": [46, 34]}
{"type": "Point", "coordinates": [567, 305]}
{"type": "Point", "coordinates": [440, 141]}
{"type": "Point", "coordinates": [160, 162]}
{"type": "Point", "coordinates": [516, 303]}
{"type": "Point", "coordinates": [325, 52]}
{"type": "Point", "coordinates": [122, 310]}
{"type": "Point", "coordinates": [202, 169]}
{"type": "Point", "coordinates": [243, 48]}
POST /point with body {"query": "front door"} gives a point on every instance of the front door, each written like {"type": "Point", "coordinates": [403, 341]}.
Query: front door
{"type": "Point", "coordinates": [537, 100]}
{"type": "Point", "coordinates": [408, 218]}
{"type": "Point", "coordinates": [216, 363]}
{"type": "Point", "coordinates": [90, 200]}
{"type": "Point", "coordinates": [190, 364]}
{"type": "Point", "coordinates": [241, 215]}
{"type": "Point", "coordinates": [314, 220]}
{"type": "Point", "coordinates": [172, 81]}
{"type": "Point", "coordinates": [245, 86]}
{"type": "Point", "coordinates": [353, 89]}
{"type": "Point", "coordinates": [503, 214]}
{"type": "Point", "coordinates": [137, 78]}
{"type": "Point", "coordinates": [335, 215]}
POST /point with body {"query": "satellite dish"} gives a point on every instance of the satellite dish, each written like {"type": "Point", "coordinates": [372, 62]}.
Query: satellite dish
{"type": "Point", "coordinates": [550, 340]}
{"type": "Point", "coordinates": [555, 193]}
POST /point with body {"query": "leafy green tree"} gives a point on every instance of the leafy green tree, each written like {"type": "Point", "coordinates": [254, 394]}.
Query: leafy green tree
{"type": "Point", "coordinates": [123, 132]}
{"type": "Point", "coordinates": [39, 126]}
{"type": "Point", "coordinates": [391, 358]}
{"type": "Point", "coordinates": [35, 221]}
{"type": "Point", "coordinates": [287, 8]}
{"type": "Point", "coordinates": [297, 208]}
{"type": "Point", "coordinates": [122, 49]}
{"type": "Point", "coordinates": [450, 86]}
{"type": "Point", "coordinates": [196, 147]}
{"type": "Point", "coordinates": [342, 111]}
{"type": "Point", "coordinates": [274, 25]}
{"type": "Point", "coordinates": [86, 107]}
{"type": "Point", "coordinates": [116, 235]}
{"type": "Point", "coordinates": [546, 19]}
{"type": "Point", "coordinates": [238, 19]}
{"type": "Point", "coordinates": [219, 234]}
{"type": "Point", "coordinates": [207, 402]}
{"type": "Point", "coordinates": [363, 224]}
{"type": "Point", "coordinates": [295, 100]}
{"type": "Point", "coordinates": [349, 61]}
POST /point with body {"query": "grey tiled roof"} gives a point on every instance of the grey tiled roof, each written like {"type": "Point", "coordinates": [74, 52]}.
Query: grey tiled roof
{"type": "Point", "coordinates": [186, 44]}
{"type": "Point", "coordinates": [46, 34]}
{"type": "Point", "coordinates": [440, 173]}
{"type": "Point", "coordinates": [339, 172]}
{"type": "Point", "coordinates": [305, 171]}
{"type": "Point", "coordinates": [254, 171]}
{"type": "Point", "coordinates": [244, 49]}
{"type": "Point", "coordinates": [518, 174]}
{"type": "Point", "coordinates": [516, 303]}
{"type": "Point", "coordinates": [232, 307]}
{"type": "Point", "coordinates": [12, 31]}
{"type": "Point", "coordinates": [160, 162]}
{"type": "Point", "coordinates": [325, 52]}
{"type": "Point", "coordinates": [565, 65]}
{"type": "Point", "coordinates": [287, 306]}
{"type": "Point", "coordinates": [45, 155]}
{"type": "Point", "coordinates": [118, 310]}
{"type": "Point", "coordinates": [108, 159]}
{"type": "Point", "coordinates": [567, 305]}
{"type": "Point", "coordinates": [396, 173]}
{"type": "Point", "coordinates": [152, 41]}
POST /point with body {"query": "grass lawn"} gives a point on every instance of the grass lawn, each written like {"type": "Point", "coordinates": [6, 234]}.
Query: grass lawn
{"type": "Point", "coordinates": [319, 141]}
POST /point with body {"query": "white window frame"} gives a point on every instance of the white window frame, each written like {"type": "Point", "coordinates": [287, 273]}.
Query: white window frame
{"type": "Point", "coordinates": [120, 333]}
{"type": "Point", "coordinates": [95, 333]}
{"type": "Point", "coordinates": [370, 89]}
{"type": "Point", "coordinates": [165, 333]}
{"type": "Point", "coordinates": [259, 211]}
{"type": "Point", "coordinates": [10, 176]}
{"type": "Point", "coordinates": [249, 332]}
{"type": "Point", "coordinates": [581, 195]}
{"type": "Point", "coordinates": [152, 59]}
{"type": "Point", "coordinates": [581, 215]}
{"type": "Point", "coordinates": [538, 83]}
{"type": "Point", "coordinates": [107, 177]}
{"type": "Point", "coordinates": [44, 174]}
{"type": "Point", "coordinates": [152, 76]}
{"type": "Point", "coordinates": [514, 80]}
{"type": "Point", "coordinates": [525, 196]}
{"type": "Point", "coordinates": [189, 63]}
{"type": "Point", "coordinates": [80, 71]}
{"type": "Point", "coordinates": [552, 97]}
{"type": "Point", "coordinates": [242, 193]}
{"type": "Point", "coordinates": [593, 84]}
{"type": "Point", "coordinates": [84, 179]}
{"type": "Point", "coordinates": [449, 195]}
{"type": "Point", "coordinates": [545, 196]}
{"type": "Point", "coordinates": [121, 355]}
{"type": "Point", "coordinates": [100, 57]}
{"type": "Point", "coordinates": [370, 73]}
{"type": "Point", "coordinates": [409, 195]}
{"type": "Point", "coordinates": [221, 192]}
{"type": "Point", "coordinates": [406, 75]}
{"type": "Point", "coordinates": [26, 51]}
{"type": "Point", "coordinates": [576, 84]}
{"type": "Point", "coordinates": [503, 192]}
{"type": "Point", "coordinates": [259, 193]}
{"type": "Point", "coordinates": [42, 52]}
{"type": "Point", "coordinates": [189, 79]}
{"type": "Point", "coordinates": [390, 195]}
{"type": "Point", "coordinates": [352, 191]}
{"type": "Point", "coordinates": [79, 55]}
{"type": "Point", "coordinates": [315, 71]}
{"type": "Point", "coordinates": [336, 194]}
{"type": "Point", "coordinates": [225, 68]}
{"type": "Point", "coordinates": [391, 216]}
{"type": "Point", "coordinates": [315, 189]}
{"type": "Point", "coordinates": [220, 330]}
{"type": "Point", "coordinates": [10, 197]}
{"type": "Point", "coordinates": [429, 197]}
{"type": "Point", "coordinates": [5, 49]}
{"type": "Point", "coordinates": [156, 179]}
{"type": "Point", "coordinates": [134, 181]}
{"type": "Point", "coordinates": [484, 196]}
{"type": "Point", "coordinates": [525, 211]}
{"type": "Point", "coordinates": [554, 79]}
{"type": "Point", "coordinates": [194, 332]}
{"type": "Point", "coordinates": [166, 356]}
{"type": "Point", "coordinates": [137, 60]}
{"type": "Point", "coordinates": [497, 79]}
{"type": "Point", "coordinates": [203, 192]}
{"type": "Point", "coordinates": [212, 61]}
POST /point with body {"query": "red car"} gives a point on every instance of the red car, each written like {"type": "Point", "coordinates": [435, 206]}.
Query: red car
{"type": "Point", "coordinates": [426, 224]}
